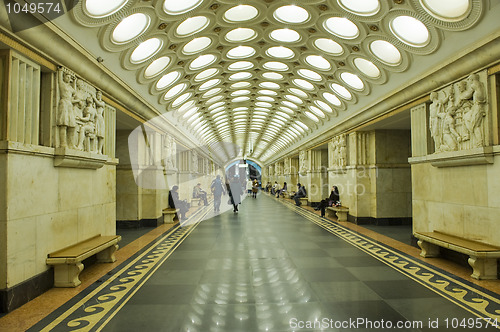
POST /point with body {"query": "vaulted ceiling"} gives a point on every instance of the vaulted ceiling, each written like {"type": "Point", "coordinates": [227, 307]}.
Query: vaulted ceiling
{"type": "Point", "coordinates": [265, 75]}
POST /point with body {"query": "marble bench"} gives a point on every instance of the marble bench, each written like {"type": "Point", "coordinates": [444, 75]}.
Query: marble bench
{"type": "Point", "coordinates": [195, 200]}
{"type": "Point", "coordinates": [303, 200]}
{"type": "Point", "coordinates": [482, 257]}
{"type": "Point", "coordinates": [340, 211]}
{"type": "Point", "coordinates": [168, 215]}
{"type": "Point", "coordinates": [67, 262]}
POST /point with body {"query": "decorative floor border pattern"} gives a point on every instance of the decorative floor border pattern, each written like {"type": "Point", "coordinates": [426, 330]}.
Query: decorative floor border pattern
{"type": "Point", "coordinates": [472, 298]}
{"type": "Point", "coordinates": [98, 307]}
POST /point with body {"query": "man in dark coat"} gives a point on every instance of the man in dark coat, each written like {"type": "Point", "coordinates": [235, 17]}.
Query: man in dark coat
{"type": "Point", "coordinates": [218, 190]}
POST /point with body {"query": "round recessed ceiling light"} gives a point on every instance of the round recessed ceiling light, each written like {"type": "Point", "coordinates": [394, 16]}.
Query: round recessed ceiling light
{"type": "Point", "coordinates": [192, 25]}
{"type": "Point", "coordinates": [241, 13]}
{"type": "Point", "coordinates": [146, 50]}
{"type": "Point", "coordinates": [202, 61]}
{"type": "Point", "coordinates": [309, 74]}
{"type": "Point", "coordinates": [240, 65]}
{"type": "Point", "coordinates": [386, 52]}
{"type": "Point", "coordinates": [157, 67]}
{"type": "Point", "coordinates": [447, 9]}
{"type": "Point", "coordinates": [410, 31]}
{"type": "Point", "coordinates": [361, 7]}
{"type": "Point", "coordinates": [273, 65]}
{"type": "Point", "coordinates": [130, 27]}
{"type": "Point", "coordinates": [175, 91]}
{"type": "Point", "coordinates": [240, 52]}
{"type": "Point", "coordinates": [291, 14]}
{"type": "Point", "coordinates": [197, 45]}
{"type": "Point", "coordinates": [167, 80]}
{"type": "Point", "coordinates": [272, 76]}
{"type": "Point", "coordinates": [99, 8]}
{"type": "Point", "coordinates": [331, 98]}
{"type": "Point", "coordinates": [342, 91]}
{"type": "Point", "coordinates": [352, 80]}
{"type": "Point", "coordinates": [280, 52]}
{"type": "Point", "coordinates": [176, 7]}
{"type": "Point", "coordinates": [367, 67]}
{"type": "Point", "coordinates": [318, 61]}
{"type": "Point", "coordinates": [285, 35]}
{"type": "Point", "coordinates": [329, 46]}
{"type": "Point", "coordinates": [241, 35]}
{"type": "Point", "coordinates": [342, 27]}
{"type": "Point", "coordinates": [206, 74]}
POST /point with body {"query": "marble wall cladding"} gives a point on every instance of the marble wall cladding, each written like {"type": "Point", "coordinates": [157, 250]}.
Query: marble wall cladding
{"type": "Point", "coordinates": [50, 208]}
{"type": "Point", "coordinates": [461, 200]}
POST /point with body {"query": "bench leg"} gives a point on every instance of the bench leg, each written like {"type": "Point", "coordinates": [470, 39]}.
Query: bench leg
{"type": "Point", "coordinates": [66, 275]}
{"type": "Point", "coordinates": [107, 255]}
{"type": "Point", "coordinates": [428, 249]}
{"type": "Point", "coordinates": [168, 218]}
{"type": "Point", "coordinates": [341, 216]}
{"type": "Point", "coordinates": [483, 268]}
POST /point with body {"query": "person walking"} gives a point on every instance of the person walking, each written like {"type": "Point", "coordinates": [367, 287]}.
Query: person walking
{"type": "Point", "coordinates": [255, 188]}
{"type": "Point", "coordinates": [218, 190]}
{"type": "Point", "coordinates": [235, 192]}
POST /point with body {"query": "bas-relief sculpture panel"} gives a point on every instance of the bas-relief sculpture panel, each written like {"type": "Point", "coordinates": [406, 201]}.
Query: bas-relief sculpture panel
{"type": "Point", "coordinates": [303, 162]}
{"type": "Point", "coordinates": [169, 153]}
{"type": "Point", "coordinates": [458, 115]}
{"type": "Point", "coordinates": [80, 114]}
{"type": "Point", "coordinates": [286, 166]}
{"type": "Point", "coordinates": [338, 152]}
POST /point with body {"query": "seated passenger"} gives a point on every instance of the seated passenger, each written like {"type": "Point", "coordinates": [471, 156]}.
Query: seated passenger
{"type": "Point", "coordinates": [175, 203]}
{"type": "Point", "coordinates": [301, 192]}
{"type": "Point", "coordinates": [200, 193]}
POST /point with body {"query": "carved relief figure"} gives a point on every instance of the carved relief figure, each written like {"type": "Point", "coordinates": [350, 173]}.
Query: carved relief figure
{"type": "Point", "coordinates": [277, 169]}
{"type": "Point", "coordinates": [194, 161]}
{"type": "Point", "coordinates": [457, 113]}
{"type": "Point", "coordinates": [100, 128]}
{"type": "Point", "coordinates": [286, 168]}
{"type": "Point", "coordinates": [169, 152]}
{"type": "Point", "coordinates": [86, 138]}
{"type": "Point", "coordinates": [473, 118]}
{"type": "Point", "coordinates": [338, 151]}
{"type": "Point", "coordinates": [66, 121]}
{"type": "Point", "coordinates": [303, 161]}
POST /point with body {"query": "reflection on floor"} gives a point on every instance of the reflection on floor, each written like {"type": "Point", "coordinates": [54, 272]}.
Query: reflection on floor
{"type": "Point", "coordinates": [273, 267]}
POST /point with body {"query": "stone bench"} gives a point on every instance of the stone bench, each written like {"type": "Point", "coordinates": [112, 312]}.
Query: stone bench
{"type": "Point", "coordinates": [340, 211]}
{"type": "Point", "coordinates": [67, 262]}
{"type": "Point", "coordinates": [482, 257]}
{"type": "Point", "coordinates": [168, 215]}
{"type": "Point", "coordinates": [304, 200]}
{"type": "Point", "coordinates": [195, 200]}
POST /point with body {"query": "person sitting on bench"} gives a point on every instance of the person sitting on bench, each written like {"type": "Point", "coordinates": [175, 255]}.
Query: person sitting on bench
{"type": "Point", "coordinates": [200, 193]}
{"type": "Point", "coordinates": [301, 192]}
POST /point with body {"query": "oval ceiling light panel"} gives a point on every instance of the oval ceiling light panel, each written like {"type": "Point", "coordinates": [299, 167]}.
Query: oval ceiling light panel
{"type": "Point", "coordinates": [240, 52]}
{"type": "Point", "coordinates": [342, 91]}
{"type": "Point", "coordinates": [269, 85]}
{"type": "Point", "coordinates": [211, 93]}
{"type": "Point", "coordinates": [182, 99]}
{"type": "Point", "coordinates": [331, 98]}
{"type": "Point", "coordinates": [273, 65]}
{"type": "Point", "coordinates": [352, 80]}
{"type": "Point", "coordinates": [361, 7]}
{"type": "Point", "coordinates": [238, 93]}
{"type": "Point", "coordinates": [317, 111]}
{"type": "Point", "coordinates": [410, 31]}
{"type": "Point", "coordinates": [157, 67]}
{"type": "Point", "coordinates": [272, 76]}
{"type": "Point", "coordinates": [145, 50]}
{"type": "Point", "coordinates": [130, 27]}
{"type": "Point", "coordinates": [291, 14]}
{"type": "Point", "coordinates": [367, 67]}
{"type": "Point", "coordinates": [99, 8]}
{"type": "Point", "coordinates": [294, 99]}
{"type": "Point", "coordinates": [202, 61]}
{"type": "Point", "coordinates": [298, 92]}
{"type": "Point", "coordinates": [197, 45]}
{"type": "Point", "coordinates": [318, 61]}
{"type": "Point", "coordinates": [329, 46]}
{"type": "Point", "coordinates": [309, 74]}
{"type": "Point", "coordinates": [167, 80]}
{"type": "Point", "coordinates": [192, 25]}
{"type": "Point", "coordinates": [240, 76]}
{"type": "Point", "coordinates": [324, 106]}
{"type": "Point", "coordinates": [386, 52]}
{"type": "Point", "coordinates": [175, 91]}
{"type": "Point", "coordinates": [206, 74]}
{"type": "Point", "coordinates": [240, 85]}
{"type": "Point", "coordinates": [280, 52]}
{"type": "Point", "coordinates": [303, 84]}
{"type": "Point", "coordinates": [311, 116]}
{"type": "Point", "coordinates": [241, 35]}
{"type": "Point", "coordinates": [341, 27]}
{"type": "Point", "coordinates": [177, 7]}
{"type": "Point", "coordinates": [210, 84]}
{"type": "Point", "coordinates": [240, 65]}
{"type": "Point", "coordinates": [241, 13]}
{"type": "Point", "coordinates": [447, 9]}
{"type": "Point", "coordinates": [285, 35]}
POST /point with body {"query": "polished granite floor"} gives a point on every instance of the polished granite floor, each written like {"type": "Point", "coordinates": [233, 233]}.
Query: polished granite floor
{"type": "Point", "coordinates": [268, 268]}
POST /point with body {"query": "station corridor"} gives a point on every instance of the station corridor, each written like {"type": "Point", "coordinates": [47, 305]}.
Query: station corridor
{"type": "Point", "coordinates": [271, 267]}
